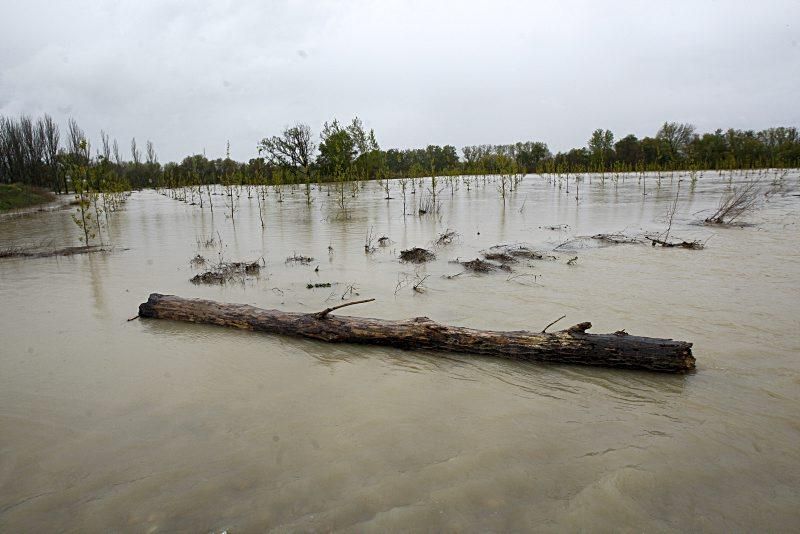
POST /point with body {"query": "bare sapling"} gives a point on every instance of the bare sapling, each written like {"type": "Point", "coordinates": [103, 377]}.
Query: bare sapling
{"type": "Point", "coordinates": [403, 184]}
{"type": "Point", "coordinates": [369, 241]}
{"type": "Point", "coordinates": [662, 239]}
{"type": "Point", "coordinates": [671, 212]}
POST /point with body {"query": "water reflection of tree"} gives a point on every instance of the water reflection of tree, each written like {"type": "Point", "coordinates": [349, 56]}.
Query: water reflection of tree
{"type": "Point", "coordinates": [98, 269]}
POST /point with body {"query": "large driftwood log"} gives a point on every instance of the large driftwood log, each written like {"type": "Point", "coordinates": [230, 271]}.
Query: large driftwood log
{"type": "Point", "coordinates": [572, 345]}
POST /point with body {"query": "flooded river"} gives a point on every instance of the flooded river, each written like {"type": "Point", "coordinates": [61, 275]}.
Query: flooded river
{"type": "Point", "coordinates": [150, 426]}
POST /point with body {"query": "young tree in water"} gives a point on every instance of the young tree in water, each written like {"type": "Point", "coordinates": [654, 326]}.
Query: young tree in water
{"type": "Point", "coordinates": [403, 185]}
{"type": "Point", "coordinates": [507, 169]}
{"type": "Point", "coordinates": [230, 179]}
{"type": "Point", "coordinates": [292, 149]}
{"type": "Point", "coordinates": [675, 138]}
{"type": "Point", "coordinates": [601, 148]}
{"type": "Point", "coordinates": [337, 150]}
{"type": "Point", "coordinates": [79, 170]}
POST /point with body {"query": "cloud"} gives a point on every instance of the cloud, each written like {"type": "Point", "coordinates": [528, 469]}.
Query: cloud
{"type": "Point", "coordinates": [193, 76]}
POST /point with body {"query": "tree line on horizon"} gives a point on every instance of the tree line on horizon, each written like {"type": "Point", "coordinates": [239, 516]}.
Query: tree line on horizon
{"type": "Point", "coordinates": [33, 152]}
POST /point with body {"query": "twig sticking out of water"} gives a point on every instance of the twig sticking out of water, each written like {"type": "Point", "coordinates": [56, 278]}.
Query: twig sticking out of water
{"type": "Point", "coordinates": [369, 241]}
{"type": "Point", "coordinates": [350, 291]}
{"type": "Point", "coordinates": [522, 276]}
{"type": "Point", "coordinates": [419, 283]}
{"type": "Point", "coordinates": [671, 212]}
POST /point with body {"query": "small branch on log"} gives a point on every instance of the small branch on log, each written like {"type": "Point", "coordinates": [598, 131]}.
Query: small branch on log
{"type": "Point", "coordinates": [573, 345]}
{"type": "Point", "coordinates": [544, 330]}
{"type": "Point", "coordinates": [326, 311]}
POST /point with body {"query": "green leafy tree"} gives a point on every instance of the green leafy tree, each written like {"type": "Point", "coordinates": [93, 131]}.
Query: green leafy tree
{"type": "Point", "coordinates": [336, 149]}
{"type": "Point", "coordinates": [293, 149]}
{"type": "Point", "coordinates": [628, 150]}
{"type": "Point", "coordinates": [601, 149]}
{"type": "Point", "coordinates": [675, 138]}
{"type": "Point", "coordinates": [79, 176]}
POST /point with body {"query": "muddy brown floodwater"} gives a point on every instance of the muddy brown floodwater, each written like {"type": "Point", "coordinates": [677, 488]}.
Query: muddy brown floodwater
{"type": "Point", "coordinates": [110, 425]}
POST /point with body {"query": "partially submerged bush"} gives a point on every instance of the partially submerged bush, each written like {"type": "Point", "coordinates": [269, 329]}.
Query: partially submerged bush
{"type": "Point", "coordinates": [735, 203]}
{"type": "Point", "coordinates": [417, 255]}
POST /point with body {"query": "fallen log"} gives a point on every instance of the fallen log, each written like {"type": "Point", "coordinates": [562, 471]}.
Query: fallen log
{"type": "Point", "coordinates": [572, 345]}
{"type": "Point", "coordinates": [67, 251]}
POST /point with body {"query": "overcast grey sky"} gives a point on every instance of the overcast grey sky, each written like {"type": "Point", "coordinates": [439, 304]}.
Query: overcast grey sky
{"type": "Point", "coordinates": [191, 75]}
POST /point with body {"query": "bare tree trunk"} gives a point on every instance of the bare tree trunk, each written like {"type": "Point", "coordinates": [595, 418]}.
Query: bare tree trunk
{"type": "Point", "coordinates": [572, 345]}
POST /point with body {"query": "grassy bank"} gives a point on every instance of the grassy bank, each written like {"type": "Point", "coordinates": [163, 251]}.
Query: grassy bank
{"type": "Point", "coordinates": [15, 196]}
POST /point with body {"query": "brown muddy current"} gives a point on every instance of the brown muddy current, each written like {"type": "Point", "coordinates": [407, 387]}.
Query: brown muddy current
{"type": "Point", "coordinates": [152, 426]}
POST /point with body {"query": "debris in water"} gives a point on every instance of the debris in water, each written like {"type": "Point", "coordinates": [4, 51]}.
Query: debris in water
{"type": "Point", "coordinates": [303, 260]}
{"type": "Point", "coordinates": [446, 237]}
{"type": "Point", "coordinates": [321, 284]}
{"type": "Point", "coordinates": [502, 257]}
{"type": "Point", "coordinates": [617, 239]}
{"type": "Point", "coordinates": [517, 251]}
{"type": "Point", "coordinates": [227, 272]}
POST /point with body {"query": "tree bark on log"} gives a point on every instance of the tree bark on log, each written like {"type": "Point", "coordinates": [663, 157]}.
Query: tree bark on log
{"type": "Point", "coordinates": [572, 345]}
